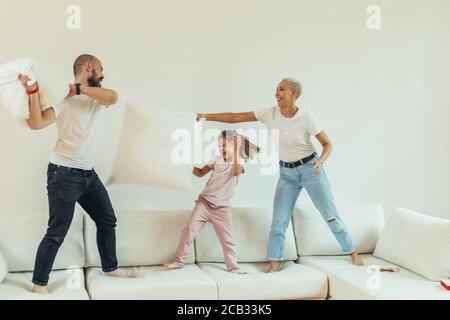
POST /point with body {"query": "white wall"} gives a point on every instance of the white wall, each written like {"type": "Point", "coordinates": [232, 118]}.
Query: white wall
{"type": "Point", "coordinates": [381, 95]}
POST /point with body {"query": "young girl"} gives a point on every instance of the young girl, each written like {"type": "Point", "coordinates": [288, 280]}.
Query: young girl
{"type": "Point", "coordinates": [213, 204]}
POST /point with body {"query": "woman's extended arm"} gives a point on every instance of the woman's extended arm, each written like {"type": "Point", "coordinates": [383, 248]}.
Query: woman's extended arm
{"type": "Point", "coordinates": [228, 117]}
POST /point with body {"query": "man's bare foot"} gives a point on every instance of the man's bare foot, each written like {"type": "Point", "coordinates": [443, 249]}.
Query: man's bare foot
{"type": "Point", "coordinates": [39, 289]}
{"type": "Point", "coordinates": [274, 266]}
{"type": "Point", "coordinates": [356, 260]}
{"type": "Point", "coordinates": [115, 274]}
{"type": "Point", "coordinates": [173, 265]}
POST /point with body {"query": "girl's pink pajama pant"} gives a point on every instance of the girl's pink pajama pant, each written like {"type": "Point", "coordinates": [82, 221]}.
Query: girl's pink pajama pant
{"type": "Point", "coordinates": [220, 218]}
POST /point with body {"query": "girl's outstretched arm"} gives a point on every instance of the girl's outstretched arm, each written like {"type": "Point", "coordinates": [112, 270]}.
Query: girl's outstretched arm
{"type": "Point", "coordinates": [228, 117]}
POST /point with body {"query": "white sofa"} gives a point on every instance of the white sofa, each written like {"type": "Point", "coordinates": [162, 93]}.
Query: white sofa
{"type": "Point", "coordinates": [312, 268]}
{"type": "Point", "coordinates": [20, 235]}
{"type": "Point", "coordinates": [402, 241]}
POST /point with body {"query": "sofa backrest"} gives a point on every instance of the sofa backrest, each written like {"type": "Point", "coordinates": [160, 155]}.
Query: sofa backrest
{"type": "Point", "coordinates": [21, 234]}
{"type": "Point", "coordinates": [144, 238]}
{"type": "Point", "coordinates": [418, 242]}
{"type": "Point", "coordinates": [251, 230]}
{"type": "Point", "coordinates": [313, 236]}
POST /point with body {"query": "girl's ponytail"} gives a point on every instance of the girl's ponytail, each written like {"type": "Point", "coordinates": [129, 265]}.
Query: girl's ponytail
{"type": "Point", "coordinates": [248, 150]}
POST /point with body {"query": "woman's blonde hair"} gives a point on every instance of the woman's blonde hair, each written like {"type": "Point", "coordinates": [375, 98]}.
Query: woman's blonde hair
{"type": "Point", "coordinates": [294, 84]}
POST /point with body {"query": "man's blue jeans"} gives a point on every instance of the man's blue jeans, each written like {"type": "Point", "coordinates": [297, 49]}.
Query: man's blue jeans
{"type": "Point", "coordinates": [66, 187]}
{"type": "Point", "coordinates": [290, 184]}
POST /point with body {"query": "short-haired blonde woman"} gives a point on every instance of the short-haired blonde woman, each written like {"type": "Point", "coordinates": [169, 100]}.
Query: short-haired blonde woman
{"type": "Point", "coordinates": [300, 167]}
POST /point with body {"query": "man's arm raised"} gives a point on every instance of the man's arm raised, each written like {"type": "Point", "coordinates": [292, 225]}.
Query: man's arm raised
{"type": "Point", "coordinates": [38, 119]}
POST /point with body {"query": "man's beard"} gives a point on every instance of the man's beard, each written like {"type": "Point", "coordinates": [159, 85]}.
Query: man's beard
{"type": "Point", "coordinates": [94, 80]}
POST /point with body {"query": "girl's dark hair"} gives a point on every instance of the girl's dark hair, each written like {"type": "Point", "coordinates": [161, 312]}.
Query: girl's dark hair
{"type": "Point", "coordinates": [248, 150]}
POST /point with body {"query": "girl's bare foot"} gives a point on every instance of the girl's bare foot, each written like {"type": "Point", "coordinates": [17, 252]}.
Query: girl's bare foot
{"type": "Point", "coordinates": [356, 260]}
{"type": "Point", "coordinates": [39, 289]}
{"type": "Point", "coordinates": [173, 265]}
{"type": "Point", "coordinates": [236, 271]}
{"type": "Point", "coordinates": [274, 266]}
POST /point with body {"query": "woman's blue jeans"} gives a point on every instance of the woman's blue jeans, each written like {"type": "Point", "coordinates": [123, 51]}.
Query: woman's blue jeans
{"type": "Point", "coordinates": [290, 184]}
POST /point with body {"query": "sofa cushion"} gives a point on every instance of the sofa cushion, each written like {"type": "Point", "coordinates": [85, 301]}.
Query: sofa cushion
{"type": "Point", "coordinates": [151, 142]}
{"type": "Point", "coordinates": [3, 268]}
{"type": "Point", "coordinates": [152, 283]}
{"type": "Point", "coordinates": [144, 238]}
{"type": "Point", "coordinates": [20, 235]}
{"type": "Point", "coordinates": [417, 242]}
{"type": "Point", "coordinates": [251, 229]}
{"type": "Point", "coordinates": [293, 281]}
{"type": "Point", "coordinates": [63, 285]}
{"type": "Point", "coordinates": [349, 282]}
{"type": "Point", "coordinates": [364, 221]}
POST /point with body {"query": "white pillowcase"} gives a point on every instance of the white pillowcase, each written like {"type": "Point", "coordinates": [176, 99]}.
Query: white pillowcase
{"type": "Point", "coordinates": [13, 98]}
{"type": "Point", "coordinates": [364, 222]}
{"type": "Point", "coordinates": [3, 268]}
{"type": "Point", "coordinates": [417, 242]}
{"type": "Point", "coordinates": [146, 146]}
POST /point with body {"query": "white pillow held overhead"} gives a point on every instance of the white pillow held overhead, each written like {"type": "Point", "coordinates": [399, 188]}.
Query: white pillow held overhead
{"type": "Point", "coordinates": [13, 98]}
{"type": "Point", "coordinates": [145, 154]}
{"type": "Point", "coordinates": [53, 88]}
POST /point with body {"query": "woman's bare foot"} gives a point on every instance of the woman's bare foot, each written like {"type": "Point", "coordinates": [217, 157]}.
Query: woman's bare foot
{"type": "Point", "coordinates": [274, 266]}
{"type": "Point", "coordinates": [39, 289]}
{"type": "Point", "coordinates": [173, 265]}
{"type": "Point", "coordinates": [356, 260]}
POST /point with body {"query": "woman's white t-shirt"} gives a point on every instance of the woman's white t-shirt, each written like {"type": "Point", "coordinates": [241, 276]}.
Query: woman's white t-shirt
{"type": "Point", "coordinates": [294, 133]}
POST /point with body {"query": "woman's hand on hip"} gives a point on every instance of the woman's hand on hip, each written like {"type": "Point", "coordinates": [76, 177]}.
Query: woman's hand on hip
{"type": "Point", "coordinates": [317, 167]}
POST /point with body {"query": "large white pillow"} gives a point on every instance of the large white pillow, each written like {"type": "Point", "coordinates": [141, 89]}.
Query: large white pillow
{"type": "Point", "coordinates": [3, 268]}
{"type": "Point", "coordinates": [146, 145]}
{"type": "Point", "coordinates": [364, 222]}
{"type": "Point", "coordinates": [13, 98]}
{"type": "Point", "coordinates": [417, 242]}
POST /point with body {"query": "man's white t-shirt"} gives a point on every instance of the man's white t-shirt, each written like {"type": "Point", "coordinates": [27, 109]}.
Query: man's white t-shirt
{"type": "Point", "coordinates": [294, 133]}
{"type": "Point", "coordinates": [77, 119]}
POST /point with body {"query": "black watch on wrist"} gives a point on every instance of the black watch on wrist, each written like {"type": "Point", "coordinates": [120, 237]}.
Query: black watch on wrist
{"type": "Point", "coordinates": [78, 89]}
